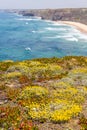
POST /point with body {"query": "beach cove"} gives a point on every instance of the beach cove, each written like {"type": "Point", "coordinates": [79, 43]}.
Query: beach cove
{"type": "Point", "coordinates": [79, 26]}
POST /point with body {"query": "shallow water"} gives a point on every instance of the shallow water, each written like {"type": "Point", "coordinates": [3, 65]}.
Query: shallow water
{"type": "Point", "coordinates": [26, 38]}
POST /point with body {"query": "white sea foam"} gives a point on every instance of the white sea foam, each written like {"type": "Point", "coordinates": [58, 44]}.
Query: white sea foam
{"type": "Point", "coordinates": [66, 36]}
{"type": "Point", "coordinates": [57, 29]}
{"type": "Point", "coordinates": [48, 21]}
{"type": "Point", "coordinates": [26, 22]}
{"type": "Point", "coordinates": [74, 35]}
{"type": "Point", "coordinates": [28, 49]}
{"type": "Point", "coordinates": [39, 31]}
{"type": "Point", "coordinates": [55, 37]}
{"type": "Point", "coordinates": [69, 37]}
{"type": "Point", "coordinates": [72, 39]}
{"type": "Point", "coordinates": [29, 19]}
{"type": "Point", "coordinates": [82, 36]}
{"type": "Point", "coordinates": [51, 29]}
{"type": "Point", "coordinates": [34, 31]}
{"type": "Point", "coordinates": [24, 19]}
{"type": "Point", "coordinates": [71, 34]}
{"type": "Point", "coordinates": [58, 24]}
{"type": "Point", "coordinates": [78, 34]}
{"type": "Point", "coordinates": [37, 17]}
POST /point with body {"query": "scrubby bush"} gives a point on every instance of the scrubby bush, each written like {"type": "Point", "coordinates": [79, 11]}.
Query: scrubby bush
{"type": "Point", "coordinates": [78, 72]}
{"type": "Point", "coordinates": [12, 75]}
{"type": "Point", "coordinates": [83, 122]}
{"type": "Point", "coordinates": [5, 65]}
{"type": "Point", "coordinates": [36, 93]}
{"type": "Point", "coordinates": [12, 93]}
{"type": "Point", "coordinates": [23, 79]}
{"type": "Point", "coordinates": [44, 71]}
{"type": "Point", "coordinates": [11, 117]}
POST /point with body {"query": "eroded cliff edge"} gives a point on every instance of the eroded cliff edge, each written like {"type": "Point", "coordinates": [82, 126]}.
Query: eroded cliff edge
{"type": "Point", "coordinates": [75, 14]}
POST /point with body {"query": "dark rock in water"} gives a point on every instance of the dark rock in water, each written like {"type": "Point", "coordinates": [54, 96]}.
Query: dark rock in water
{"type": "Point", "coordinates": [28, 14]}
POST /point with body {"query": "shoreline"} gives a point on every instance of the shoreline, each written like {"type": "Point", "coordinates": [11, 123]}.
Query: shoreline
{"type": "Point", "coordinates": [79, 26]}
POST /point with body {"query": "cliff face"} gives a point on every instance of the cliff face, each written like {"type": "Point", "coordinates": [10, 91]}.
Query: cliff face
{"type": "Point", "coordinates": [76, 15]}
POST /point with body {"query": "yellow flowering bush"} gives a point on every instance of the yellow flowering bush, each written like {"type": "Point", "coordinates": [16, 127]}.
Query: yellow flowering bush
{"type": "Point", "coordinates": [65, 114]}
{"type": "Point", "coordinates": [61, 107]}
{"type": "Point", "coordinates": [12, 75]}
{"type": "Point", "coordinates": [34, 63]}
{"type": "Point", "coordinates": [38, 111]}
{"type": "Point", "coordinates": [60, 116]}
{"type": "Point", "coordinates": [35, 70]}
{"type": "Point", "coordinates": [44, 71]}
{"type": "Point", "coordinates": [39, 115]}
{"type": "Point", "coordinates": [20, 67]}
{"type": "Point", "coordinates": [79, 70]}
{"type": "Point", "coordinates": [69, 96]}
{"type": "Point", "coordinates": [35, 93]}
{"type": "Point", "coordinates": [59, 85]}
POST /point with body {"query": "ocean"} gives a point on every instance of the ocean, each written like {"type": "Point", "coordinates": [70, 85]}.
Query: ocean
{"type": "Point", "coordinates": [24, 38]}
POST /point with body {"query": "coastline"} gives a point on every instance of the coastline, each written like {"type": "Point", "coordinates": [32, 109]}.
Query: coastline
{"type": "Point", "coordinates": [81, 27]}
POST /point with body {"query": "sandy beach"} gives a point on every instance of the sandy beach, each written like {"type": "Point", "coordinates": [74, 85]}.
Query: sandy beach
{"type": "Point", "coordinates": [79, 26]}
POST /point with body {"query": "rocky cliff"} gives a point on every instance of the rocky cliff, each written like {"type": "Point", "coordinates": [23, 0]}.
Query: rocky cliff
{"type": "Point", "coordinates": [76, 15]}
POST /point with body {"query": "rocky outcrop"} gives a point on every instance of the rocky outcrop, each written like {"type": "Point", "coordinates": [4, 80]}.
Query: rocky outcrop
{"type": "Point", "coordinates": [76, 15]}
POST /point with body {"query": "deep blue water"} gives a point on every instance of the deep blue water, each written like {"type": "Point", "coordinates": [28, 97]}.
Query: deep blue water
{"type": "Point", "coordinates": [26, 38]}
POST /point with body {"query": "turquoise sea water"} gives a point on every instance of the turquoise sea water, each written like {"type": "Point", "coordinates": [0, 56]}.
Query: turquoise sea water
{"type": "Point", "coordinates": [30, 37]}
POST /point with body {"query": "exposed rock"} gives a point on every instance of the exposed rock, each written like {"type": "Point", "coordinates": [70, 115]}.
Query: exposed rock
{"type": "Point", "coordinates": [3, 102]}
{"type": "Point", "coordinates": [28, 14]}
{"type": "Point", "coordinates": [76, 15]}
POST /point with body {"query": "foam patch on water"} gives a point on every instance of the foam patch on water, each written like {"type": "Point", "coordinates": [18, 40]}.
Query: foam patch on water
{"type": "Point", "coordinates": [72, 39]}
{"type": "Point", "coordinates": [49, 28]}
{"type": "Point", "coordinates": [59, 24]}
{"type": "Point", "coordinates": [56, 29]}
{"type": "Point", "coordinates": [66, 37]}
{"type": "Point", "coordinates": [69, 32]}
{"type": "Point", "coordinates": [82, 37]}
{"type": "Point", "coordinates": [34, 31]}
{"type": "Point", "coordinates": [26, 23]}
{"type": "Point", "coordinates": [74, 34]}
{"type": "Point", "coordinates": [28, 19]}
{"type": "Point", "coordinates": [36, 17]}
{"type": "Point", "coordinates": [57, 36]}
{"type": "Point", "coordinates": [39, 31]}
{"type": "Point", "coordinates": [28, 49]}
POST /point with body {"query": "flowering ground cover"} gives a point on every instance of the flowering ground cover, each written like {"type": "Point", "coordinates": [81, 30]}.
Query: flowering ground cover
{"type": "Point", "coordinates": [43, 91]}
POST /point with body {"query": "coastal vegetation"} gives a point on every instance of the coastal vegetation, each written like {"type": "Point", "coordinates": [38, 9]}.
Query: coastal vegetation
{"type": "Point", "coordinates": [46, 93]}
